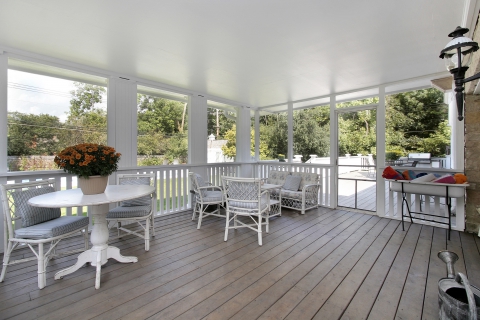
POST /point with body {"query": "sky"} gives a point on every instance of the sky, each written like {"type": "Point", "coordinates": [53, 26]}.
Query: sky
{"type": "Point", "coordinates": [38, 94]}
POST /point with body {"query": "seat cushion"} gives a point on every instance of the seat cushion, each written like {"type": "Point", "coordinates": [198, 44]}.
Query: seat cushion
{"type": "Point", "coordinates": [292, 183]}
{"type": "Point", "coordinates": [250, 204]}
{"type": "Point", "coordinates": [52, 228]}
{"type": "Point", "coordinates": [141, 201]}
{"type": "Point", "coordinates": [291, 194]}
{"type": "Point", "coordinates": [122, 212]}
{"type": "Point", "coordinates": [33, 215]}
{"type": "Point", "coordinates": [212, 196]}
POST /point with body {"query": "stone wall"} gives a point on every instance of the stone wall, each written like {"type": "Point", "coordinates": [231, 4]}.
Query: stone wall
{"type": "Point", "coordinates": [472, 144]}
{"type": "Point", "coordinates": [472, 161]}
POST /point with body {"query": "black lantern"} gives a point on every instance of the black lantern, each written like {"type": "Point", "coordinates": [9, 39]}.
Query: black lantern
{"type": "Point", "coordinates": [458, 56]}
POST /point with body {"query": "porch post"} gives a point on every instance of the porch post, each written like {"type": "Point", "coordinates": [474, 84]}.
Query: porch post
{"type": "Point", "coordinates": [122, 119]}
{"type": "Point", "coordinates": [257, 135]}
{"type": "Point", "coordinates": [333, 153]}
{"type": "Point", "coordinates": [3, 111]}
{"type": "Point", "coordinates": [381, 112]}
{"type": "Point", "coordinates": [3, 129]}
{"type": "Point", "coordinates": [457, 139]}
{"type": "Point", "coordinates": [243, 141]}
{"type": "Point", "coordinates": [290, 132]}
{"type": "Point", "coordinates": [197, 131]}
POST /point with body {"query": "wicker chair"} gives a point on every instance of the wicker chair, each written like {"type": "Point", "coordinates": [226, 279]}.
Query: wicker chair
{"type": "Point", "coordinates": [245, 197]}
{"type": "Point", "coordinates": [206, 195]}
{"type": "Point", "coordinates": [136, 210]}
{"type": "Point", "coordinates": [31, 226]}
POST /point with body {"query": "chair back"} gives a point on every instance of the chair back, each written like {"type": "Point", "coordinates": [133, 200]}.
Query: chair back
{"type": "Point", "coordinates": [148, 179]}
{"type": "Point", "coordinates": [197, 182]}
{"type": "Point", "coordinates": [17, 213]}
{"type": "Point", "coordinates": [242, 189]}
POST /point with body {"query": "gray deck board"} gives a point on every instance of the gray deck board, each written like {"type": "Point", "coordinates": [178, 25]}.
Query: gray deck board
{"type": "Point", "coordinates": [326, 264]}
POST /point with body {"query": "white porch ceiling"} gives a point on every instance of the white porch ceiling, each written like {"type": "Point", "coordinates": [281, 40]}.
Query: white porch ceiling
{"type": "Point", "coordinates": [256, 52]}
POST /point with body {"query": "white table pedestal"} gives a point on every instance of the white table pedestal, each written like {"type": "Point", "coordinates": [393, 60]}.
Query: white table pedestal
{"type": "Point", "coordinates": [100, 252]}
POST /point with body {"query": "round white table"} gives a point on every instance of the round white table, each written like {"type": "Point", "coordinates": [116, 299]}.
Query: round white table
{"type": "Point", "coordinates": [100, 252]}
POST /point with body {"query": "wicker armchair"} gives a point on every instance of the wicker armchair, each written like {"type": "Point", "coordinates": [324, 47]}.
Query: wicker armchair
{"type": "Point", "coordinates": [35, 226]}
{"type": "Point", "coordinates": [206, 195]}
{"type": "Point", "coordinates": [245, 197]}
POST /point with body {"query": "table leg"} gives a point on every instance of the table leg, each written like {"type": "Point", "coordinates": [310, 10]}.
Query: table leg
{"type": "Point", "coordinates": [100, 252]}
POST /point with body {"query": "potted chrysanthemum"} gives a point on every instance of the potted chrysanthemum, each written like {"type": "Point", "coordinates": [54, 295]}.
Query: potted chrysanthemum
{"type": "Point", "coordinates": [91, 162]}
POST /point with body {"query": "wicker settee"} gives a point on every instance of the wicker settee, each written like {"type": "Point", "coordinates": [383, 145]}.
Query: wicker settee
{"type": "Point", "coordinates": [305, 197]}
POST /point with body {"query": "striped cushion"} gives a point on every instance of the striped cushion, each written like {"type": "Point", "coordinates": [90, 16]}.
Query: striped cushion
{"type": "Point", "coordinates": [212, 196]}
{"type": "Point", "coordinates": [142, 201]}
{"type": "Point", "coordinates": [33, 215]}
{"type": "Point", "coordinates": [250, 204]}
{"type": "Point", "coordinates": [128, 212]}
{"type": "Point", "coordinates": [52, 228]}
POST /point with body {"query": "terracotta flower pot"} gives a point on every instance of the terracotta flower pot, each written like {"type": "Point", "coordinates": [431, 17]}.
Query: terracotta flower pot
{"type": "Point", "coordinates": [93, 185]}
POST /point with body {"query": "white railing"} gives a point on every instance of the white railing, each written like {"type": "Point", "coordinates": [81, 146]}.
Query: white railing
{"type": "Point", "coordinates": [325, 171]}
{"type": "Point", "coordinates": [420, 203]}
{"type": "Point", "coordinates": [173, 185]}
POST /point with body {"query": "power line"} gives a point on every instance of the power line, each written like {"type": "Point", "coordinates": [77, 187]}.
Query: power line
{"type": "Point", "coordinates": [34, 89]}
{"type": "Point", "coordinates": [71, 128]}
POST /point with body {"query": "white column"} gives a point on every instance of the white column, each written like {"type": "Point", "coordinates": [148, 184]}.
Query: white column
{"type": "Point", "coordinates": [333, 152]}
{"type": "Point", "coordinates": [3, 111]}
{"type": "Point", "coordinates": [381, 112]}
{"type": "Point", "coordinates": [243, 135]}
{"type": "Point", "coordinates": [197, 130]}
{"type": "Point", "coordinates": [290, 131]}
{"type": "Point", "coordinates": [457, 139]}
{"type": "Point", "coordinates": [257, 135]}
{"type": "Point", "coordinates": [122, 119]}
{"type": "Point", "coordinates": [3, 129]}
{"type": "Point", "coordinates": [243, 141]}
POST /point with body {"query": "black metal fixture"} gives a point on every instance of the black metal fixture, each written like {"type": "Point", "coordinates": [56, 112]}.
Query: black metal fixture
{"type": "Point", "coordinates": [458, 56]}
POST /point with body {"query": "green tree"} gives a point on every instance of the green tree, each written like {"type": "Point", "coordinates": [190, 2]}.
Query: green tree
{"type": "Point", "coordinates": [311, 132]}
{"type": "Point", "coordinates": [86, 123]}
{"type": "Point", "coordinates": [416, 122]}
{"type": "Point", "coordinates": [218, 124]}
{"type": "Point", "coordinates": [159, 115]}
{"type": "Point", "coordinates": [30, 134]}
{"type": "Point", "coordinates": [177, 148]}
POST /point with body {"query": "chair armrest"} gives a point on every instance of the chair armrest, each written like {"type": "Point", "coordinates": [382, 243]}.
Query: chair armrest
{"type": "Point", "coordinates": [310, 187]}
{"type": "Point", "coordinates": [211, 187]}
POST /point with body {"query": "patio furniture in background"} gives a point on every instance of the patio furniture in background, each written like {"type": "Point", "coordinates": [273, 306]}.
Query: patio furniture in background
{"type": "Point", "coordinates": [303, 197]}
{"type": "Point", "coordinates": [245, 198]}
{"type": "Point", "coordinates": [136, 210]}
{"type": "Point", "coordinates": [205, 195]}
{"type": "Point", "coordinates": [32, 226]}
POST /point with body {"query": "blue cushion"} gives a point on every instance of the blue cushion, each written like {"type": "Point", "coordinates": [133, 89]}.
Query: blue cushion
{"type": "Point", "coordinates": [33, 215]}
{"type": "Point", "coordinates": [212, 196]}
{"type": "Point", "coordinates": [52, 228]}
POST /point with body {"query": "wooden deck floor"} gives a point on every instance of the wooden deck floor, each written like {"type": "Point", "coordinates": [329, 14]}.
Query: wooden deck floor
{"type": "Point", "coordinates": [326, 264]}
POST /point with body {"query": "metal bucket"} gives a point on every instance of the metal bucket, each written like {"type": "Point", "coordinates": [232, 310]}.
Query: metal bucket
{"type": "Point", "coordinates": [457, 299]}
